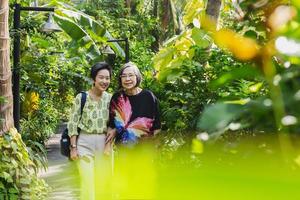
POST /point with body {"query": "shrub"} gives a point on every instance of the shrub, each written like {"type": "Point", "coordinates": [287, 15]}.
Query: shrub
{"type": "Point", "coordinates": [18, 174]}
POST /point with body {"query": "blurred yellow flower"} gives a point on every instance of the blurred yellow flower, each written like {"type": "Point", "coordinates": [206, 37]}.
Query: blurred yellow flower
{"type": "Point", "coordinates": [241, 47]}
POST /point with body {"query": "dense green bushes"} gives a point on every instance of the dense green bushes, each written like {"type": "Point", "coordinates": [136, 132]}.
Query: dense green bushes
{"type": "Point", "coordinates": [18, 174]}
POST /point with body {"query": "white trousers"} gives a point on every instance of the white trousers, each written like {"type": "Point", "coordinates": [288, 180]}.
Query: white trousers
{"type": "Point", "coordinates": [93, 167]}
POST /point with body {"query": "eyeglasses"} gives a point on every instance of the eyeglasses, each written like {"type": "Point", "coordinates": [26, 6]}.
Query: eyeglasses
{"type": "Point", "coordinates": [124, 76]}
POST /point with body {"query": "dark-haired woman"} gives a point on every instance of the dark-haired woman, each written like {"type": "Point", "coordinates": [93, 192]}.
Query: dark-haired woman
{"type": "Point", "coordinates": [90, 144]}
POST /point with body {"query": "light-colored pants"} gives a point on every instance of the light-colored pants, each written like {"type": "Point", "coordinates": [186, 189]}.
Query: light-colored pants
{"type": "Point", "coordinates": [93, 167]}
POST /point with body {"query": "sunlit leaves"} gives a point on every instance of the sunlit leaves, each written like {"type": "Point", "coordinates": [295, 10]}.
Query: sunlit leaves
{"type": "Point", "coordinates": [239, 101]}
{"type": "Point", "coordinates": [256, 87]}
{"type": "Point", "coordinates": [31, 102]}
{"type": "Point", "coordinates": [172, 71]}
{"type": "Point", "coordinates": [201, 39]}
{"type": "Point", "coordinates": [171, 57]}
{"type": "Point", "coordinates": [183, 45]}
{"type": "Point", "coordinates": [192, 10]}
{"type": "Point", "coordinates": [163, 57]}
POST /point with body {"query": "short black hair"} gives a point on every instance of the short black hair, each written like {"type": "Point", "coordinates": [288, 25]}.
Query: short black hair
{"type": "Point", "coordinates": [99, 66]}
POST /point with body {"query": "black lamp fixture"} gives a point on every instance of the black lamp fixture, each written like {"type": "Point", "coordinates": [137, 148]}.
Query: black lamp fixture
{"type": "Point", "coordinates": [16, 56]}
{"type": "Point", "coordinates": [109, 51]}
{"type": "Point", "coordinates": [50, 25]}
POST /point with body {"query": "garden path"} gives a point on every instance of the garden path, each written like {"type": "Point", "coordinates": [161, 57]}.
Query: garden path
{"type": "Point", "coordinates": [61, 174]}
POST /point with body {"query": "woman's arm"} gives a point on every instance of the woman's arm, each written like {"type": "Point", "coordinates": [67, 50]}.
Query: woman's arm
{"type": "Point", "coordinates": [111, 134]}
{"type": "Point", "coordinates": [73, 148]}
{"type": "Point", "coordinates": [73, 127]}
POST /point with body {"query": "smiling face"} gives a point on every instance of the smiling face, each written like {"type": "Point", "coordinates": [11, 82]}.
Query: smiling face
{"type": "Point", "coordinates": [128, 78]}
{"type": "Point", "coordinates": [102, 80]}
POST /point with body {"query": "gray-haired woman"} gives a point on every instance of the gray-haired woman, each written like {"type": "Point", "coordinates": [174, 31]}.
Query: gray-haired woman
{"type": "Point", "coordinates": [133, 110]}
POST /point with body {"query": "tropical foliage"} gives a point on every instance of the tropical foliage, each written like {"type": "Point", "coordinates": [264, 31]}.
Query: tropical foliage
{"type": "Point", "coordinates": [18, 176]}
{"type": "Point", "coordinates": [247, 89]}
{"type": "Point", "coordinates": [230, 68]}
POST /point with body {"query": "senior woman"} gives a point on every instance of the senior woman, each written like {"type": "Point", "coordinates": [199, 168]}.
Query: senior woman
{"type": "Point", "coordinates": [89, 146]}
{"type": "Point", "coordinates": [134, 116]}
{"type": "Point", "coordinates": [133, 110]}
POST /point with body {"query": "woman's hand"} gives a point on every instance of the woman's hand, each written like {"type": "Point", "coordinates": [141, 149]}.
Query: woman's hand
{"type": "Point", "coordinates": [111, 134]}
{"type": "Point", "coordinates": [73, 153]}
{"type": "Point", "coordinates": [73, 148]}
{"type": "Point", "coordinates": [107, 148]}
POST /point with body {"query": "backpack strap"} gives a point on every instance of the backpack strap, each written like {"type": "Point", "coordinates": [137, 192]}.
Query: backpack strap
{"type": "Point", "coordinates": [82, 104]}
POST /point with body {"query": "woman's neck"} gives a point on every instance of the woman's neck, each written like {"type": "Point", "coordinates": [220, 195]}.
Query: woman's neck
{"type": "Point", "coordinates": [96, 94]}
{"type": "Point", "coordinates": [133, 91]}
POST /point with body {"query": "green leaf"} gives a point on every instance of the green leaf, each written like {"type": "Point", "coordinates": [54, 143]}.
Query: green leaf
{"type": "Point", "coordinates": [256, 87]}
{"type": "Point", "coordinates": [216, 117]}
{"type": "Point", "coordinates": [192, 9]}
{"type": "Point", "coordinates": [93, 28]}
{"type": "Point", "coordinates": [2, 185]}
{"type": "Point", "coordinates": [41, 42]}
{"type": "Point", "coordinates": [13, 191]}
{"type": "Point", "coordinates": [14, 197]}
{"type": "Point", "coordinates": [201, 39]}
{"type": "Point", "coordinates": [80, 35]}
{"type": "Point", "coordinates": [163, 58]}
{"type": "Point", "coordinates": [172, 71]}
{"type": "Point", "coordinates": [169, 74]}
{"type": "Point", "coordinates": [14, 146]}
{"type": "Point", "coordinates": [238, 73]}
{"type": "Point", "coordinates": [296, 3]}
{"type": "Point", "coordinates": [6, 176]}
{"type": "Point", "coordinates": [25, 181]}
{"type": "Point", "coordinates": [70, 27]}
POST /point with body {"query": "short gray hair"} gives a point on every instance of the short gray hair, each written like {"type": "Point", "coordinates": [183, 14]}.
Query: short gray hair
{"type": "Point", "coordinates": [136, 71]}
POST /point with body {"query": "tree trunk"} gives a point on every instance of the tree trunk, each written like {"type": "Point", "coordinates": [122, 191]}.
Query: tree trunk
{"type": "Point", "coordinates": [155, 8]}
{"type": "Point", "coordinates": [128, 5]}
{"type": "Point", "coordinates": [213, 9]}
{"type": "Point", "coordinates": [166, 14]}
{"type": "Point", "coordinates": [6, 107]}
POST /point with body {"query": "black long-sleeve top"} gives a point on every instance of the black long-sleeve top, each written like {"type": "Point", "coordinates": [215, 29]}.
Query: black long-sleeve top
{"type": "Point", "coordinates": [134, 116]}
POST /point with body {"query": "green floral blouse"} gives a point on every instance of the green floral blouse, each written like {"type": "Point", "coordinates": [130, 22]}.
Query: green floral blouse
{"type": "Point", "coordinates": [94, 116]}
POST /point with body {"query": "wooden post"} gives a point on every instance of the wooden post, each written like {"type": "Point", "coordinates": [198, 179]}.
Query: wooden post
{"type": "Point", "coordinates": [6, 107]}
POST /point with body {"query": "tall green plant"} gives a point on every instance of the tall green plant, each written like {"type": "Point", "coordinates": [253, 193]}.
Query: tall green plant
{"type": "Point", "coordinates": [85, 31]}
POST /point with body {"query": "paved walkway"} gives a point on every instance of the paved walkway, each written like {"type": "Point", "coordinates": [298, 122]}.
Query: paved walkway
{"type": "Point", "coordinates": [61, 174]}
